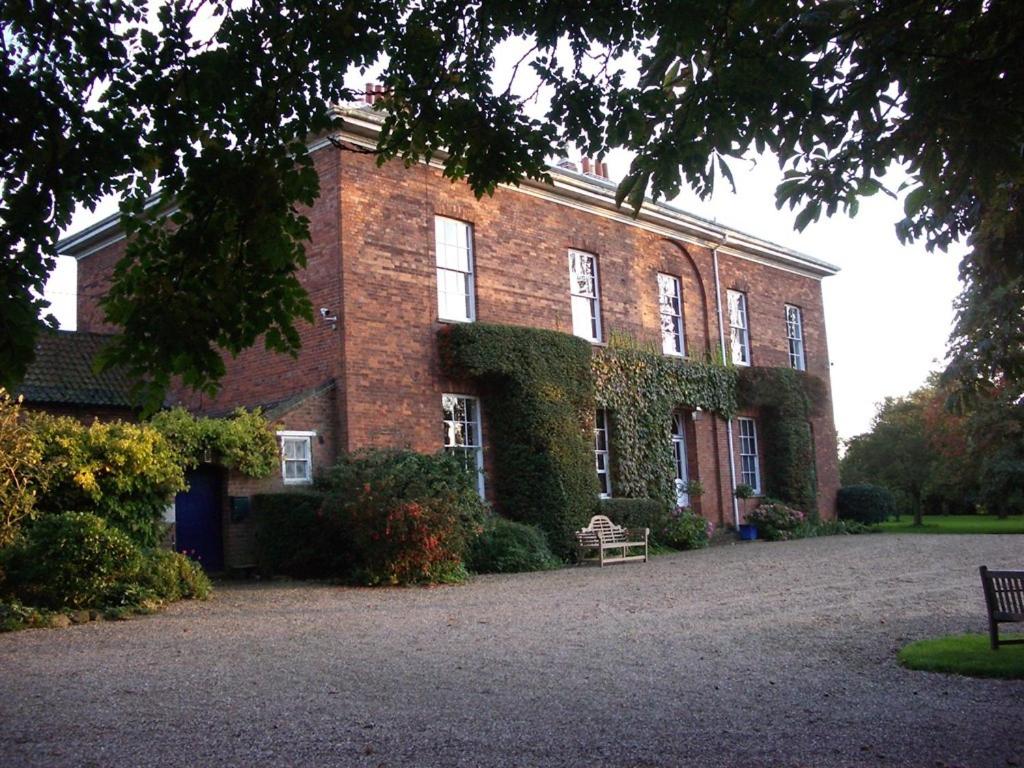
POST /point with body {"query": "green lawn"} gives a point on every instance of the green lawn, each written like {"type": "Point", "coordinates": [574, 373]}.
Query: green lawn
{"type": "Point", "coordinates": [956, 524]}
{"type": "Point", "coordinates": [968, 655]}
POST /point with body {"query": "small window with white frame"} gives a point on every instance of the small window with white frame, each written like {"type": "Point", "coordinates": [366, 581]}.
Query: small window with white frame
{"type": "Point", "coordinates": [602, 454]}
{"type": "Point", "coordinates": [670, 307]}
{"type": "Point", "coordinates": [750, 469]}
{"type": "Point", "coordinates": [296, 457]}
{"type": "Point", "coordinates": [795, 337]}
{"type": "Point", "coordinates": [585, 295]}
{"type": "Point", "coordinates": [738, 327]}
{"type": "Point", "coordinates": [453, 246]}
{"type": "Point", "coordinates": [462, 437]}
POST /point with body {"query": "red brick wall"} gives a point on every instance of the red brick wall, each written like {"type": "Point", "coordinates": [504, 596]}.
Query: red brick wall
{"type": "Point", "coordinates": [372, 261]}
{"type": "Point", "coordinates": [521, 245]}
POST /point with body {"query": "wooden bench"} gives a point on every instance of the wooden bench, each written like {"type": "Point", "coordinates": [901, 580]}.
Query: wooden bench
{"type": "Point", "coordinates": [611, 542]}
{"type": "Point", "coordinates": [1004, 598]}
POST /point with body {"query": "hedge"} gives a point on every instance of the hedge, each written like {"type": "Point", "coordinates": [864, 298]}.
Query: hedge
{"type": "Point", "coordinates": [294, 538]}
{"type": "Point", "coordinates": [868, 504]}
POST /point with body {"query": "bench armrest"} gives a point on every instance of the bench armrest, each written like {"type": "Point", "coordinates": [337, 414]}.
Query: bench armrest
{"type": "Point", "coordinates": [638, 533]}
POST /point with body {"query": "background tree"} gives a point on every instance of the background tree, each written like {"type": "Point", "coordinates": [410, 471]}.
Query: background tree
{"type": "Point", "coordinates": [936, 460]}
{"type": "Point", "coordinates": [208, 104]}
{"type": "Point", "coordinates": [894, 454]}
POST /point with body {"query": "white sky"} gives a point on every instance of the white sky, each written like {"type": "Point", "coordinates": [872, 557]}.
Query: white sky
{"type": "Point", "coordinates": [889, 311]}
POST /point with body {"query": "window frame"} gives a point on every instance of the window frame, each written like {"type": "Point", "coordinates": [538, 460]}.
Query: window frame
{"type": "Point", "coordinates": [597, 334]}
{"type": "Point", "coordinates": [604, 476]}
{"type": "Point", "coordinates": [742, 313]}
{"type": "Point", "coordinates": [798, 358]}
{"type": "Point", "coordinates": [297, 435]}
{"type": "Point", "coordinates": [468, 275]}
{"type": "Point", "coordinates": [745, 441]}
{"type": "Point", "coordinates": [680, 458]}
{"type": "Point", "coordinates": [477, 449]}
{"type": "Point", "coordinates": [679, 330]}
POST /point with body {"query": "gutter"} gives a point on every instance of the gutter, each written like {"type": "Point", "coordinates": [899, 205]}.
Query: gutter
{"type": "Point", "coordinates": [721, 341]}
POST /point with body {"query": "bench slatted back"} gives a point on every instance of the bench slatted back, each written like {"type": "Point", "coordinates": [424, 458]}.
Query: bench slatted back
{"type": "Point", "coordinates": [601, 529]}
{"type": "Point", "coordinates": [1004, 592]}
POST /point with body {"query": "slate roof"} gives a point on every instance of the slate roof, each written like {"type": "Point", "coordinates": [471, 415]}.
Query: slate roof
{"type": "Point", "coordinates": [62, 372]}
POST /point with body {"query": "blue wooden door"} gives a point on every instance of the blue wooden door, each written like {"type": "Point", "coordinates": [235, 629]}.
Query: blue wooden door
{"type": "Point", "coordinates": [198, 513]}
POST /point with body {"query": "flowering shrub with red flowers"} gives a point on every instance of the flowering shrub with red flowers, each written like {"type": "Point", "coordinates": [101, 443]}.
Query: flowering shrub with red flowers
{"type": "Point", "coordinates": [410, 517]}
{"type": "Point", "coordinates": [777, 522]}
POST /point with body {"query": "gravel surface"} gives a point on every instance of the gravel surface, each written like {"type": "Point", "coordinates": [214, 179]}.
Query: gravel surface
{"type": "Point", "coordinates": [744, 655]}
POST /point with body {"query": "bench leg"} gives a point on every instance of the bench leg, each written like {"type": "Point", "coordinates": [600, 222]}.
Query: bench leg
{"type": "Point", "coordinates": [993, 633]}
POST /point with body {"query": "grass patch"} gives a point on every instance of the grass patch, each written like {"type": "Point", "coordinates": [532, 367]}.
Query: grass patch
{"type": "Point", "coordinates": [968, 655]}
{"type": "Point", "coordinates": [955, 524]}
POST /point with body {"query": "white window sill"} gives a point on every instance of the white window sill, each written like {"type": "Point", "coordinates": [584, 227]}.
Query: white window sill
{"type": "Point", "coordinates": [456, 320]}
{"type": "Point", "coordinates": [297, 482]}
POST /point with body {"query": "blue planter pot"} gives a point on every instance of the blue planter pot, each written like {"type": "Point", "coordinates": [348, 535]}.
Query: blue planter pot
{"type": "Point", "coordinates": [748, 532]}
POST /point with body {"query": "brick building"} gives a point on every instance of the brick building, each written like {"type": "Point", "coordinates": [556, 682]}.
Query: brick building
{"type": "Point", "coordinates": [397, 252]}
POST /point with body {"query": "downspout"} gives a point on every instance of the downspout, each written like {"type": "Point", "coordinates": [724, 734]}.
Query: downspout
{"type": "Point", "coordinates": [721, 341]}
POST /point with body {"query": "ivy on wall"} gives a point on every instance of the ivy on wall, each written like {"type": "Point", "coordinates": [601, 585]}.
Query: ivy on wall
{"type": "Point", "coordinates": [786, 399]}
{"type": "Point", "coordinates": [538, 395]}
{"type": "Point", "coordinates": [245, 441]}
{"type": "Point", "coordinates": [540, 389]}
{"type": "Point", "coordinates": [641, 387]}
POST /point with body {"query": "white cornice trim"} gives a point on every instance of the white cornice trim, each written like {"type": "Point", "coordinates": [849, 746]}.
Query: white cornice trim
{"type": "Point", "coordinates": [568, 188]}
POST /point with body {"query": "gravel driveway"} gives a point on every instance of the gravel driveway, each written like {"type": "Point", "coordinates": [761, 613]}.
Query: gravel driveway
{"type": "Point", "coordinates": [745, 655]}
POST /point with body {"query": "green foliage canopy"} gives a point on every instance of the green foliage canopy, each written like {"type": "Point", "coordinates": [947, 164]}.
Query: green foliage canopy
{"type": "Point", "coordinates": [120, 98]}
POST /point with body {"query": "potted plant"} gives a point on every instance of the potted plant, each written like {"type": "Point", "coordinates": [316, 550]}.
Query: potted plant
{"type": "Point", "coordinates": [748, 531]}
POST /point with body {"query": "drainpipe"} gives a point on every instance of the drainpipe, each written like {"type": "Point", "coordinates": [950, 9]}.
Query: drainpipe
{"type": "Point", "coordinates": [721, 340]}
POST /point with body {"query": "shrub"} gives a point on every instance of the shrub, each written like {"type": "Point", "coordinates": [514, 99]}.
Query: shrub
{"type": "Point", "coordinates": [71, 560]}
{"type": "Point", "coordinates": [14, 615]}
{"type": "Point", "coordinates": [775, 521]}
{"type": "Point", "coordinates": [835, 528]}
{"type": "Point", "coordinates": [124, 473]}
{"type": "Point", "coordinates": [411, 517]}
{"type": "Point", "coordinates": [245, 441]}
{"type": "Point", "coordinates": [171, 576]}
{"type": "Point", "coordinates": [635, 513]}
{"type": "Point", "coordinates": [506, 546]}
{"type": "Point", "coordinates": [686, 530]}
{"type": "Point", "coordinates": [20, 468]}
{"type": "Point", "coordinates": [295, 538]}
{"type": "Point", "coordinates": [868, 504]}
{"type": "Point", "coordinates": [744, 491]}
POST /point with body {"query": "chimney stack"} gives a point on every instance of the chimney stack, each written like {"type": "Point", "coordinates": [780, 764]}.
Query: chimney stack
{"type": "Point", "coordinates": [595, 168]}
{"type": "Point", "coordinates": [374, 93]}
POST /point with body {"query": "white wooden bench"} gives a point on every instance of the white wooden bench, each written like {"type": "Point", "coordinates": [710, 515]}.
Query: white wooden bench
{"type": "Point", "coordinates": [602, 541]}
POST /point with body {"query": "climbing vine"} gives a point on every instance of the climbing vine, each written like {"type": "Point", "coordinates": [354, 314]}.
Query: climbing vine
{"type": "Point", "coordinates": [641, 387]}
{"type": "Point", "coordinates": [787, 400]}
{"type": "Point", "coordinates": [244, 441]}
{"type": "Point", "coordinates": [539, 404]}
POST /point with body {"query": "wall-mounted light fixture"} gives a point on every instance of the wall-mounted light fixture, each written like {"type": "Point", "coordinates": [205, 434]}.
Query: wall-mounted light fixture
{"type": "Point", "coordinates": [327, 317]}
